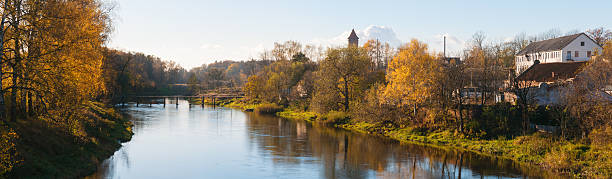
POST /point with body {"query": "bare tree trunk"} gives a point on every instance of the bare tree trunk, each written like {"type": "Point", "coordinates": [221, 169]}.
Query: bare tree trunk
{"type": "Point", "coordinates": [16, 67]}
{"type": "Point", "coordinates": [346, 95]}
{"type": "Point", "coordinates": [30, 104]}
{"type": "Point", "coordinates": [461, 117]}
{"type": "Point", "coordinates": [2, 33]}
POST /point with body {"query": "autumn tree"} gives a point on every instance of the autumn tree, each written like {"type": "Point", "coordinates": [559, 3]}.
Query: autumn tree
{"type": "Point", "coordinates": [253, 89]}
{"type": "Point", "coordinates": [411, 77]}
{"type": "Point", "coordinates": [53, 54]}
{"type": "Point", "coordinates": [451, 92]}
{"type": "Point", "coordinates": [600, 35]}
{"type": "Point", "coordinates": [284, 80]}
{"type": "Point", "coordinates": [587, 100]}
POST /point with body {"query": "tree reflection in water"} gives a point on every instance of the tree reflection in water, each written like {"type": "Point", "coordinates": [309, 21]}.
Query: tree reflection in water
{"type": "Point", "coordinates": [344, 154]}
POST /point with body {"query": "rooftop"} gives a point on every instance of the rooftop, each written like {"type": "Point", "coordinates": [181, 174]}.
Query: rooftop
{"type": "Point", "coordinates": [550, 72]}
{"type": "Point", "coordinates": [550, 44]}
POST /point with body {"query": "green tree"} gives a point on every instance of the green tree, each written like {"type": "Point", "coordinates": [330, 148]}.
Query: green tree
{"type": "Point", "coordinates": [341, 78]}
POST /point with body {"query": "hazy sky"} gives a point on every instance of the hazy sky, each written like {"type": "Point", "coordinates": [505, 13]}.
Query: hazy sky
{"type": "Point", "coordinates": [195, 32]}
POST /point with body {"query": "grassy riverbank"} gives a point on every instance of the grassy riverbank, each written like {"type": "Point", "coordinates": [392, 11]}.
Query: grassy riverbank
{"type": "Point", "coordinates": [43, 149]}
{"type": "Point", "coordinates": [545, 150]}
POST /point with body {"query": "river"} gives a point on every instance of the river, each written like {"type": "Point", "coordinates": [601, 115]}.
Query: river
{"type": "Point", "coordinates": [217, 142]}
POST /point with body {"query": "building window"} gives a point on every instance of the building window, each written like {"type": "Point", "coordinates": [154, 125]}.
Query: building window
{"type": "Point", "coordinates": [576, 54]}
{"type": "Point", "coordinates": [569, 54]}
{"type": "Point", "coordinates": [581, 43]}
{"type": "Point", "coordinates": [588, 53]}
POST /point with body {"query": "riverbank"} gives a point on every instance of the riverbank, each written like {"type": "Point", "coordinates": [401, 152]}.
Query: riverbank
{"type": "Point", "coordinates": [545, 150]}
{"type": "Point", "coordinates": [44, 150]}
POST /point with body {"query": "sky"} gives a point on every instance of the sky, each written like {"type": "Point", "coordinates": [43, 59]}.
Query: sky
{"type": "Point", "coordinates": [196, 32]}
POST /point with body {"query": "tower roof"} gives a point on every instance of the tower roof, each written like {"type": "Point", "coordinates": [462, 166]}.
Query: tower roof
{"type": "Point", "coordinates": [353, 35]}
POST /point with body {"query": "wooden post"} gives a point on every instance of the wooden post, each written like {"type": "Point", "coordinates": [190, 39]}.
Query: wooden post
{"type": "Point", "coordinates": [137, 102]}
{"type": "Point", "coordinates": [151, 103]}
{"type": "Point", "coordinates": [177, 101]}
{"type": "Point", "coordinates": [164, 102]}
{"type": "Point", "coordinates": [189, 101]}
{"type": "Point", "coordinates": [202, 99]}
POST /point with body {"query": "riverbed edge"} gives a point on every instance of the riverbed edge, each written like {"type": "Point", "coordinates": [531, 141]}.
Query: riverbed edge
{"type": "Point", "coordinates": [66, 155]}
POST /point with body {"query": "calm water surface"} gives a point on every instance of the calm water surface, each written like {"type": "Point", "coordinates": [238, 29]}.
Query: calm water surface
{"type": "Point", "coordinates": [196, 142]}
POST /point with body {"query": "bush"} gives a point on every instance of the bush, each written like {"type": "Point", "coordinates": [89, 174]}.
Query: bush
{"type": "Point", "coordinates": [566, 157]}
{"type": "Point", "coordinates": [335, 117]}
{"type": "Point", "coordinates": [601, 136]}
{"type": "Point", "coordinates": [268, 108]}
{"type": "Point", "coordinates": [8, 154]}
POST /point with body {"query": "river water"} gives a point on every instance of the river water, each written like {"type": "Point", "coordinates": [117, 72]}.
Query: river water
{"type": "Point", "coordinates": [208, 142]}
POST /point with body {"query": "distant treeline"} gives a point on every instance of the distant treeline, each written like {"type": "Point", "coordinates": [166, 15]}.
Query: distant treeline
{"type": "Point", "coordinates": [129, 73]}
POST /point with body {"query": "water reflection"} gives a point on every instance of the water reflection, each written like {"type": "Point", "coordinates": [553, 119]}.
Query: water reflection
{"type": "Point", "coordinates": [344, 154]}
{"type": "Point", "coordinates": [196, 142]}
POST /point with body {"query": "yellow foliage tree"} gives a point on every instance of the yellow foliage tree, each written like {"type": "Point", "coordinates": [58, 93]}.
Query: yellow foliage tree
{"type": "Point", "coordinates": [53, 55]}
{"type": "Point", "coordinates": [254, 87]}
{"type": "Point", "coordinates": [411, 76]}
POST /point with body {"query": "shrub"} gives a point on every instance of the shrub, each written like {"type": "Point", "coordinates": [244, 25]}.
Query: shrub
{"type": "Point", "coordinates": [268, 108]}
{"type": "Point", "coordinates": [8, 154]}
{"type": "Point", "coordinates": [601, 136]}
{"type": "Point", "coordinates": [335, 117]}
{"type": "Point", "coordinates": [566, 157]}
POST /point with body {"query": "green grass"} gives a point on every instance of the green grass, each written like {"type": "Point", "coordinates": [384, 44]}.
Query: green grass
{"type": "Point", "coordinates": [239, 104]}
{"type": "Point", "coordinates": [297, 115]}
{"type": "Point", "coordinates": [268, 108]}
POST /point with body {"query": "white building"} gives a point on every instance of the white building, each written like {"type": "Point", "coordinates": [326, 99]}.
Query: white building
{"type": "Point", "coordinates": [572, 48]}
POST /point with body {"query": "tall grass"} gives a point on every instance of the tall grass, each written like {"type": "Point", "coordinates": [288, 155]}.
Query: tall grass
{"type": "Point", "coordinates": [268, 108]}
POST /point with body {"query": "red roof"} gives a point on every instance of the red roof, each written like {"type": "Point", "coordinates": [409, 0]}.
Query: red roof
{"type": "Point", "coordinates": [550, 72]}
